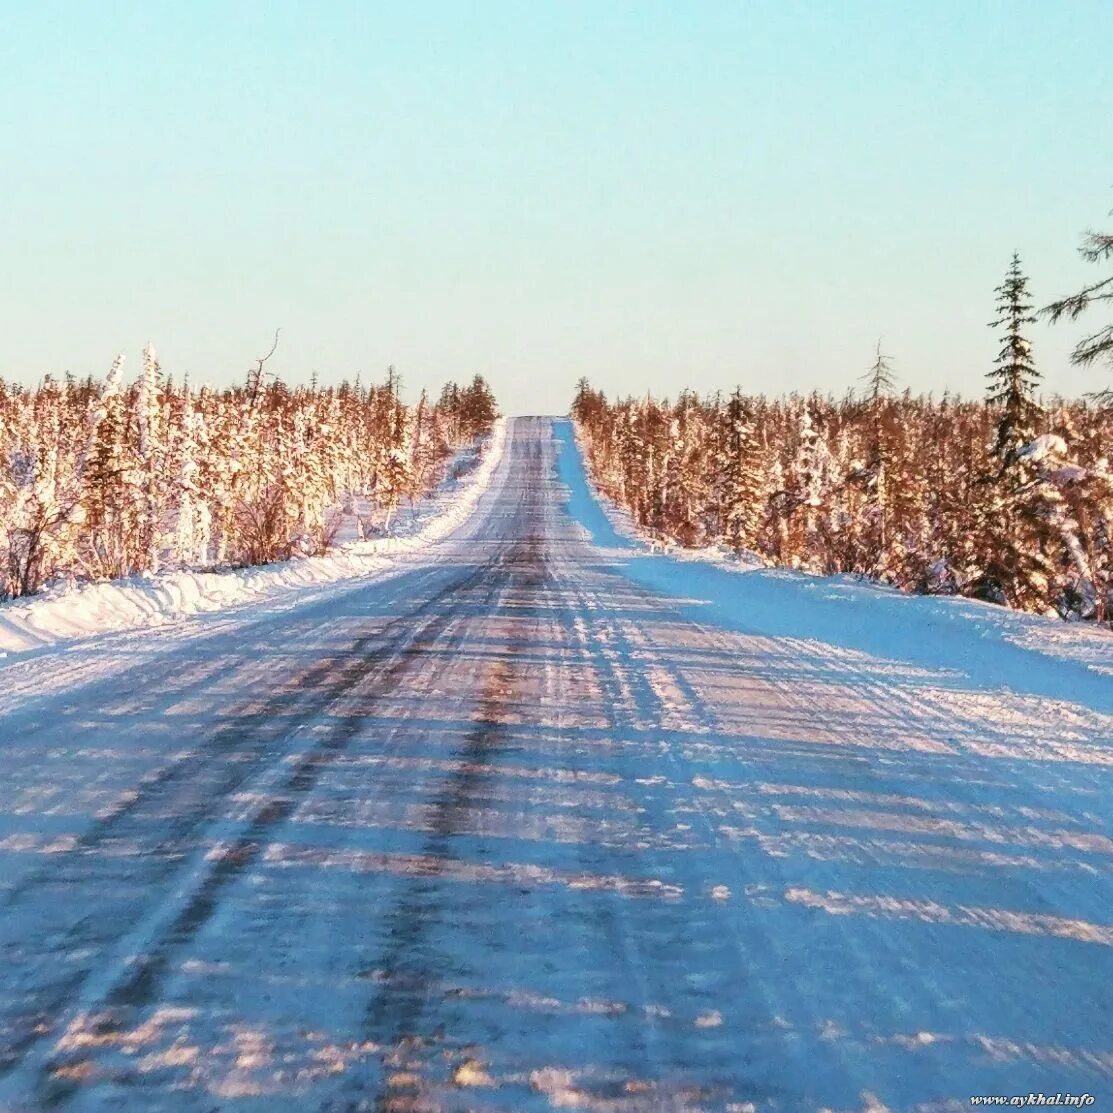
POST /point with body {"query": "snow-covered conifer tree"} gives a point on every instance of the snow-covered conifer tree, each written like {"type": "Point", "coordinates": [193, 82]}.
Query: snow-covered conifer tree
{"type": "Point", "coordinates": [1014, 376]}
{"type": "Point", "coordinates": [149, 494]}
{"type": "Point", "coordinates": [744, 484]}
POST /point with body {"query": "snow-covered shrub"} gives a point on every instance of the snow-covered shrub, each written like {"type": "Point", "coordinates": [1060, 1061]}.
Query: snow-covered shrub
{"type": "Point", "coordinates": [100, 480]}
{"type": "Point", "coordinates": [907, 490]}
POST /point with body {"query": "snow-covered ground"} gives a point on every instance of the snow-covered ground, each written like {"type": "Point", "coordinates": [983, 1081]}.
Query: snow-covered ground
{"type": "Point", "coordinates": [991, 645]}
{"type": "Point", "coordinates": [69, 611]}
{"type": "Point", "coordinates": [550, 822]}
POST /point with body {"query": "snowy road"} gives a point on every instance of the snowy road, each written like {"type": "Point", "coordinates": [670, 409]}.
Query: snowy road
{"type": "Point", "coordinates": [512, 831]}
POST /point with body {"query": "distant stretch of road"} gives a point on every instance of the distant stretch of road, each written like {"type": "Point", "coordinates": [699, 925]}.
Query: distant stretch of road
{"type": "Point", "coordinates": [510, 832]}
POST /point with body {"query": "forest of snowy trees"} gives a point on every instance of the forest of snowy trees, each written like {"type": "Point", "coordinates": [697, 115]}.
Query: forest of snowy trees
{"type": "Point", "coordinates": [1006, 498]}
{"type": "Point", "coordinates": [102, 479]}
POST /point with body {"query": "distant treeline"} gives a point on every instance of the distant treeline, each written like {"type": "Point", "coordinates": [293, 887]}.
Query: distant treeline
{"type": "Point", "coordinates": [907, 490]}
{"type": "Point", "coordinates": [1004, 499]}
{"type": "Point", "coordinates": [100, 479]}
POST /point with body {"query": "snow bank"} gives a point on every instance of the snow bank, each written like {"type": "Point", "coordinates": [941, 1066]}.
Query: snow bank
{"type": "Point", "coordinates": [450, 511]}
{"type": "Point", "coordinates": [1042, 447]}
{"type": "Point", "coordinates": [74, 611]}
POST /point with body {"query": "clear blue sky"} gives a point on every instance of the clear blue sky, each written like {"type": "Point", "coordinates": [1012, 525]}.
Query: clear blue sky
{"type": "Point", "coordinates": [650, 194]}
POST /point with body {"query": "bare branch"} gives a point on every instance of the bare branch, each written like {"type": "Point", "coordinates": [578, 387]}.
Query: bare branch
{"type": "Point", "coordinates": [255, 376]}
{"type": "Point", "coordinates": [274, 347]}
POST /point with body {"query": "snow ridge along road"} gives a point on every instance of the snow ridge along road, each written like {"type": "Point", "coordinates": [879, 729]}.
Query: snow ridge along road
{"type": "Point", "coordinates": [513, 831]}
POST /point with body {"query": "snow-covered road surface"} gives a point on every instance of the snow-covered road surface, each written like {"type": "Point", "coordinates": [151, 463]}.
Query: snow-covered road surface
{"type": "Point", "coordinates": [514, 831]}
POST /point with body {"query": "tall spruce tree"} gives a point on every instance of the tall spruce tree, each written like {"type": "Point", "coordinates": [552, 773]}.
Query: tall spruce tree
{"type": "Point", "coordinates": [880, 378]}
{"type": "Point", "coordinates": [880, 381]}
{"type": "Point", "coordinates": [1016, 539]}
{"type": "Point", "coordinates": [1014, 376]}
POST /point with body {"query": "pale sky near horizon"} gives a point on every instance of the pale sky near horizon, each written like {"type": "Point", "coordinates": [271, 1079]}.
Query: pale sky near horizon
{"type": "Point", "coordinates": [655, 195]}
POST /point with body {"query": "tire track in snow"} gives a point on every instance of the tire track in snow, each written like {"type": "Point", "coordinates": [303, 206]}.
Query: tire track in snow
{"type": "Point", "coordinates": [394, 1017]}
{"type": "Point", "coordinates": [377, 660]}
{"type": "Point", "coordinates": [745, 951]}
